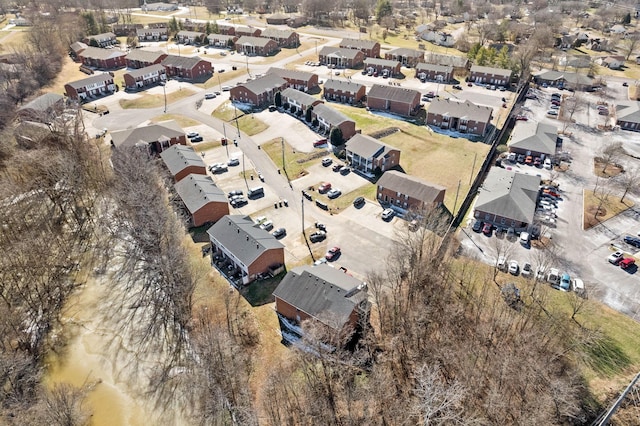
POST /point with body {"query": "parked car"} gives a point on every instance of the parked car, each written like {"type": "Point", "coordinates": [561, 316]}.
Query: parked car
{"type": "Point", "coordinates": [603, 112]}
{"type": "Point", "coordinates": [565, 282]}
{"type": "Point", "coordinates": [477, 225]}
{"type": "Point", "coordinates": [552, 112]}
{"type": "Point", "coordinates": [319, 143]}
{"type": "Point", "coordinates": [511, 233]}
{"type": "Point", "coordinates": [197, 139]}
{"type": "Point", "coordinates": [540, 272]}
{"type": "Point", "coordinates": [526, 270]}
{"type": "Point", "coordinates": [547, 163]}
{"type": "Point", "coordinates": [233, 162]}
{"type": "Point", "coordinates": [234, 193]}
{"type": "Point", "coordinates": [524, 238]}
{"type": "Point", "coordinates": [554, 107]}
{"type": "Point", "coordinates": [457, 87]}
{"type": "Point", "coordinates": [577, 285]}
{"type": "Point", "coordinates": [634, 241]}
{"type": "Point", "coordinates": [332, 253]}
{"type": "Point", "coordinates": [387, 214]}
{"type": "Point", "coordinates": [218, 168]}
{"type": "Point", "coordinates": [502, 264]}
{"type": "Point", "coordinates": [238, 202]}
{"type": "Point", "coordinates": [521, 118]}
{"type": "Point", "coordinates": [514, 268]}
{"type": "Point", "coordinates": [209, 95]}
{"type": "Point", "coordinates": [554, 276]}
{"type": "Point", "coordinates": [626, 263]}
{"type": "Point", "coordinates": [318, 236]}
{"type": "Point", "coordinates": [279, 233]}
{"type": "Point", "coordinates": [267, 225]}
{"type": "Point", "coordinates": [345, 171]}
{"type": "Point", "coordinates": [358, 202]}
{"type": "Point", "coordinates": [615, 258]}
{"type": "Point", "coordinates": [334, 193]}
{"type": "Point", "coordinates": [327, 161]}
{"type": "Point", "coordinates": [520, 158]}
{"type": "Point", "coordinates": [336, 167]}
{"type": "Point", "coordinates": [192, 134]}
{"type": "Point", "coordinates": [486, 229]}
{"type": "Point", "coordinates": [324, 187]}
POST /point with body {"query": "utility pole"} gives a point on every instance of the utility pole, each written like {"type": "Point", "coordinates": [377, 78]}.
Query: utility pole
{"type": "Point", "coordinates": [473, 167]}
{"type": "Point", "coordinates": [226, 141]}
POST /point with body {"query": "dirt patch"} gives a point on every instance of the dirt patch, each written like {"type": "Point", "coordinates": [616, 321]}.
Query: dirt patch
{"type": "Point", "coordinates": [598, 208]}
{"type": "Point", "coordinates": [606, 170]}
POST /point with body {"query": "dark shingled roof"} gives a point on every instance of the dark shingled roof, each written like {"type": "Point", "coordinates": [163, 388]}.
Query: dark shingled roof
{"type": "Point", "coordinates": [276, 33]}
{"type": "Point", "coordinates": [146, 70]}
{"type": "Point", "coordinates": [381, 62]}
{"type": "Point", "coordinates": [243, 238]}
{"type": "Point", "coordinates": [366, 146]}
{"type": "Point", "coordinates": [466, 109]}
{"type": "Point", "coordinates": [98, 78]}
{"type": "Point", "coordinates": [532, 136]}
{"type": "Point", "coordinates": [628, 111]}
{"type": "Point", "coordinates": [98, 53]}
{"type": "Point", "coordinates": [298, 96]}
{"type": "Point", "coordinates": [490, 70]}
{"type": "Point", "coordinates": [147, 134]}
{"type": "Point", "coordinates": [339, 52]}
{"type": "Point", "coordinates": [185, 33]}
{"type": "Point", "coordinates": [434, 67]}
{"type": "Point", "coordinates": [102, 37]}
{"type": "Point", "coordinates": [179, 157]}
{"type": "Point", "coordinates": [330, 115]}
{"type": "Point", "coordinates": [196, 191]}
{"type": "Point", "coordinates": [185, 62]}
{"type": "Point", "coordinates": [43, 102]}
{"type": "Point", "coordinates": [442, 59]}
{"type": "Point", "coordinates": [323, 292]}
{"type": "Point", "coordinates": [393, 93]}
{"type": "Point", "coordinates": [344, 85]}
{"type": "Point", "coordinates": [412, 186]}
{"type": "Point", "coordinates": [265, 83]}
{"type": "Point", "coordinates": [144, 55]}
{"type": "Point", "coordinates": [404, 51]}
{"type": "Point", "coordinates": [352, 43]}
{"type": "Point", "coordinates": [292, 74]}
{"type": "Point", "coordinates": [509, 194]}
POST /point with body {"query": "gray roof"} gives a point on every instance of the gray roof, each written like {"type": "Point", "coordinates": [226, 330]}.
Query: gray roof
{"type": "Point", "coordinates": [179, 157]}
{"type": "Point", "coordinates": [330, 115]}
{"type": "Point", "coordinates": [78, 46]}
{"type": "Point", "coordinates": [569, 77]}
{"type": "Point", "coordinates": [393, 93]}
{"type": "Point", "coordinates": [43, 102]}
{"type": "Point", "coordinates": [196, 191]}
{"type": "Point", "coordinates": [628, 111]}
{"type": "Point", "coordinates": [434, 67]}
{"type": "Point", "coordinates": [292, 74]}
{"type": "Point", "coordinates": [490, 70]}
{"type": "Point", "coordinates": [265, 83]}
{"type": "Point", "coordinates": [366, 146]}
{"type": "Point", "coordinates": [467, 110]}
{"type": "Point", "coordinates": [322, 292]}
{"type": "Point", "coordinates": [195, 34]}
{"type": "Point", "coordinates": [242, 237]}
{"type": "Point", "coordinates": [344, 85]}
{"type": "Point", "coordinates": [276, 33]}
{"type": "Point", "coordinates": [152, 30]}
{"type": "Point", "coordinates": [97, 78]}
{"type": "Point", "coordinates": [253, 41]}
{"type": "Point", "coordinates": [381, 62]}
{"type": "Point", "coordinates": [102, 37]}
{"type": "Point", "coordinates": [352, 43]}
{"type": "Point", "coordinates": [509, 194]}
{"type": "Point", "coordinates": [404, 51]}
{"type": "Point", "coordinates": [442, 59]}
{"type": "Point", "coordinates": [144, 55]}
{"type": "Point", "coordinates": [225, 37]}
{"type": "Point", "coordinates": [339, 52]}
{"type": "Point", "coordinates": [278, 15]}
{"type": "Point", "coordinates": [146, 70]}
{"type": "Point", "coordinates": [99, 53]}
{"type": "Point", "coordinates": [298, 96]}
{"type": "Point", "coordinates": [412, 186]}
{"type": "Point", "coordinates": [532, 136]}
{"type": "Point", "coordinates": [185, 62]}
{"type": "Point", "coordinates": [245, 29]}
{"type": "Point", "coordinates": [147, 134]}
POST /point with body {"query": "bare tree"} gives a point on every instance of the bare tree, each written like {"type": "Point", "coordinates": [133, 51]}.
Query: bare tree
{"type": "Point", "coordinates": [64, 405]}
{"type": "Point", "coordinates": [573, 104]}
{"type": "Point", "coordinates": [439, 402]}
{"type": "Point", "coordinates": [610, 154]}
{"type": "Point", "coordinates": [629, 181]}
{"type": "Point", "coordinates": [629, 45]}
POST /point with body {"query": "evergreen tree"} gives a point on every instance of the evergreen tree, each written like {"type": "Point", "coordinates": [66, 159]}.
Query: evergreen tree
{"type": "Point", "coordinates": [336, 136]}
{"type": "Point", "coordinates": [277, 99]}
{"type": "Point", "coordinates": [383, 9]}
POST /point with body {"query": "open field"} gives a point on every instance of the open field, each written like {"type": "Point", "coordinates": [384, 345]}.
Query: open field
{"type": "Point", "coordinates": [218, 78]}
{"type": "Point", "coordinates": [180, 119]}
{"type": "Point", "coordinates": [153, 101]}
{"type": "Point", "coordinates": [436, 158]}
{"type": "Point", "coordinates": [284, 53]}
{"type": "Point", "coordinates": [246, 122]}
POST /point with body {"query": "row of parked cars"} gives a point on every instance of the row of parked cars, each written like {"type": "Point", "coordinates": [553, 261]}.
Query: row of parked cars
{"type": "Point", "coordinates": [557, 280]}
{"type": "Point", "coordinates": [618, 258]}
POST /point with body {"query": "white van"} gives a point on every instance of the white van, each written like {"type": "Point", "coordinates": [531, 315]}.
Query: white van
{"type": "Point", "coordinates": [577, 285]}
{"type": "Point", "coordinates": [524, 238]}
{"type": "Point", "coordinates": [255, 192]}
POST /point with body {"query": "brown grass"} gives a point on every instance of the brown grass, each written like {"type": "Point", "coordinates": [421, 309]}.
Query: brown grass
{"type": "Point", "coordinates": [70, 72]}
{"type": "Point", "coordinates": [153, 101]}
{"type": "Point", "coordinates": [606, 170]}
{"type": "Point", "coordinates": [596, 212]}
{"type": "Point", "coordinates": [180, 119]}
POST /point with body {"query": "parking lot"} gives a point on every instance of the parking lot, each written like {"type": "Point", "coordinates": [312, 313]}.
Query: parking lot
{"type": "Point", "coordinates": [580, 253]}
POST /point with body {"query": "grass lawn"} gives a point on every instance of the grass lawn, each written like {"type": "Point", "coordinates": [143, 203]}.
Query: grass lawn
{"type": "Point", "coordinates": [433, 157]}
{"type": "Point", "coordinates": [259, 293]}
{"type": "Point", "coordinates": [345, 200]}
{"type": "Point", "coordinates": [152, 101]}
{"type": "Point", "coordinates": [296, 162]}
{"type": "Point", "coordinates": [219, 78]}
{"type": "Point", "coordinates": [70, 72]}
{"type": "Point", "coordinates": [205, 146]}
{"type": "Point", "coordinates": [247, 122]}
{"type": "Point", "coordinates": [610, 207]}
{"type": "Point", "coordinates": [180, 119]}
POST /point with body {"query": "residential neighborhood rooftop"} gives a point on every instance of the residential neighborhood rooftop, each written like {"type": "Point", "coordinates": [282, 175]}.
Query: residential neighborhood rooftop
{"type": "Point", "coordinates": [185, 62]}
{"type": "Point", "coordinates": [265, 83]}
{"type": "Point", "coordinates": [253, 41]}
{"type": "Point", "coordinates": [301, 97]}
{"type": "Point", "coordinates": [509, 194]}
{"type": "Point", "coordinates": [139, 72]}
{"type": "Point", "coordinates": [466, 109]}
{"type": "Point", "coordinates": [532, 136]}
{"type": "Point", "coordinates": [196, 191]}
{"type": "Point", "coordinates": [353, 43]}
{"type": "Point", "coordinates": [392, 93]}
{"type": "Point", "coordinates": [330, 115]}
{"type": "Point", "coordinates": [98, 53]}
{"type": "Point", "coordinates": [366, 146]}
{"type": "Point", "coordinates": [179, 157]}
{"type": "Point", "coordinates": [412, 186]}
{"type": "Point", "coordinates": [491, 70]}
{"type": "Point", "coordinates": [339, 52]}
{"type": "Point", "coordinates": [143, 55]}
{"type": "Point", "coordinates": [146, 134]}
{"type": "Point", "coordinates": [344, 85]}
{"type": "Point", "coordinates": [292, 74]}
{"type": "Point", "coordinates": [96, 78]}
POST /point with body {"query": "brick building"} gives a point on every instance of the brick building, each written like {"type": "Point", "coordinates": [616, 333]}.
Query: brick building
{"type": "Point", "coordinates": [256, 46]}
{"type": "Point", "coordinates": [182, 161]}
{"type": "Point", "coordinates": [382, 67]}
{"type": "Point", "coordinates": [464, 117]}
{"type": "Point", "coordinates": [187, 67]}
{"type": "Point", "coordinates": [370, 48]}
{"type": "Point", "coordinates": [340, 57]}
{"type": "Point", "coordinates": [432, 72]}
{"type": "Point", "coordinates": [490, 75]}
{"type": "Point", "coordinates": [142, 78]}
{"type": "Point", "coordinates": [241, 31]}
{"type": "Point", "coordinates": [154, 137]}
{"type": "Point", "coordinates": [370, 156]}
{"type": "Point", "coordinates": [203, 202]}
{"type": "Point", "coordinates": [90, 87]}
{"type": "Point", "coordinates": [222, 40]}
{"type": "Point", "coordinates": [190, 37]}
{"type": "Point", "coordinates": [284, 38]}
{"type": "Point", "coordinates": [328, 119]}
{"type": "Point", "coordinates": [259, 92]}
{"type": "Point", "coordinates": [407, 57]}
{"type": "Point", "coordinates": [299, 80]}
{"type": "Point", "coordinates": [298, 101]}
{"type": "Point", "coordinates": [240, 248]}
{"type": "Point", "coordinates": [346, 92]}
{"type": "Point", "coordinates": [140, 58]}
{"type": "Point", "coordinates": [397, 100]}
{"type": "Point", "coordinates": [153, 34]}
{"type": "Point", "coordinates": [406, 193]}
{"type": "Point", "coordinates": [106, 59]}
{"type": "Point", "coordinates": [101, 40]}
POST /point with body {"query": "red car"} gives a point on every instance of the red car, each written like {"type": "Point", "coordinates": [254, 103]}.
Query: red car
{"type": "Point", "coordinates": [332, 253]}
{"type": "Point", "coordinates": [324, 187]}
{"type": "Point", "coordinates": [626, 263]}
{"type": "Point", "coordinates": [486, 229]}
{"type": "Point", "coordinates": [551, 192]}
{"type": "Point", "coordinates": [321, 142]}
{"type": "Point", "coordinates": [521, 118]}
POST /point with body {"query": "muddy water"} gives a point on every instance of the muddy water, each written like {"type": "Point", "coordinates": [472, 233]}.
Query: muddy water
{"type": "Point", "coordinates": [85, 363]}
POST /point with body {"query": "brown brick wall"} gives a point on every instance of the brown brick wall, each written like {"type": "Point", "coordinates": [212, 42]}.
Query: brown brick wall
{"type": "Point", "coordinates": [189, 170]}
{"type": "Point", "coordinates": [268, 258]}
{"type": "Point", "coordinates": [336, 95]}
{"type": "Point", "coordinates": [211, 212]}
